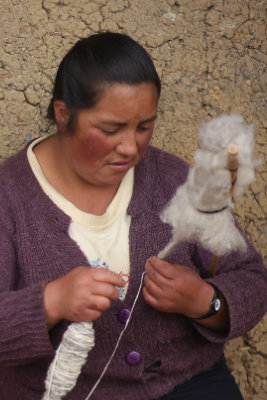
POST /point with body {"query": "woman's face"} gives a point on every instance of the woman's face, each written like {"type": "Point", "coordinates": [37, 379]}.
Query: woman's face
{"type": "Point", "coordinates": [111, 137]}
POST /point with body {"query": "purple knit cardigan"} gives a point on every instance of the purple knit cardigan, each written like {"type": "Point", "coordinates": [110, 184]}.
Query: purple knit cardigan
{"type": "Point", "coordinates": [35, 247]}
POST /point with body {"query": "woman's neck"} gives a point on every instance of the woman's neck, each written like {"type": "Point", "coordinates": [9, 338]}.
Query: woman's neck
{"type": "Point", "coordinates": [89, 198]}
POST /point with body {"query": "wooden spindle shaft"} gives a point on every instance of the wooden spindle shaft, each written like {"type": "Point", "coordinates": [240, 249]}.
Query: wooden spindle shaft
{"type": "Point", "coordinates": [232, 166]}
{"type": "Point", "coordinates": [213, 266]}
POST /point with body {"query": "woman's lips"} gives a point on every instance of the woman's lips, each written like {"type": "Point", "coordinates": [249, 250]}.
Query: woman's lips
{"type": "Point", "coordinates": [120, 165]}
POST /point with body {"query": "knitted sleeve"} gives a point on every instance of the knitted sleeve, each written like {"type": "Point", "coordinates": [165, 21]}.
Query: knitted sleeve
{"type": "Point", "coordinates": [242, 279]}
{"type": "Point", "coordinates": [23, 332]}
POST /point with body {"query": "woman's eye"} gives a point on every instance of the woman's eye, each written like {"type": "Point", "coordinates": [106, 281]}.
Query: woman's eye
{"type": "Point", "coordinates": [143, 128]}
{"type": "Point", "coordinates": [109, 131]}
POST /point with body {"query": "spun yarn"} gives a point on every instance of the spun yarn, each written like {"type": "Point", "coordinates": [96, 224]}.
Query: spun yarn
{"type": "Point", "coordinates": [70, 356]}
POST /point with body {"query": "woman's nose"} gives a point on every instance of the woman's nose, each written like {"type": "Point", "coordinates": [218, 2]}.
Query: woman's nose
{"type": "Point", "coordinates": [127, 145]}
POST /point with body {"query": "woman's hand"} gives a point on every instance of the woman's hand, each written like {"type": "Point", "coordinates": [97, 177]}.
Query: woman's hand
{"type": "Point", "coordinates": [80, 295]}
{"type": "Point", "coordinates": [176, 288]}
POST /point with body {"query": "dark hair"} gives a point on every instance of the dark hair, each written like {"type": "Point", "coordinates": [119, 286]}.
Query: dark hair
{"type": "Point", "coordinates": [100, 59]}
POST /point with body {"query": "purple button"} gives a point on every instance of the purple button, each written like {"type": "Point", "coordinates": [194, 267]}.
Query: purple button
{"type": "Point", "coordinates": [133, 358]}
{"type": "Point", "coordinates": [123, 315]}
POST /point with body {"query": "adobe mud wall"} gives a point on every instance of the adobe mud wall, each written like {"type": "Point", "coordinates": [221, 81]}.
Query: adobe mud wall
{"type": "Point", "coordinates": [211, 56]}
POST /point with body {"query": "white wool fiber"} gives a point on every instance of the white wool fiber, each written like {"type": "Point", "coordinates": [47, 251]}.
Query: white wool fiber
{"type": "Point", "coordinates": [215, 232]}
{"type": "Point", "coordinates": [214, 138]}
{"type": "Point", "coordinates": [200, 211]}
{"type": "Point", "coordinates": [208, 191]}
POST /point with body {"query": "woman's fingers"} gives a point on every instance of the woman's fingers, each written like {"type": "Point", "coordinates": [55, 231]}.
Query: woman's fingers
{"type": "Point", "coordinates": [80, 295]}
{"type": "Point", "coordinates": [175, 288]}
{"type": "Point", "coordinates": [103, 289]}
{"type": "Point", "coordinates": [104, 275]}
{"type": "Point", "coordinates": [161, 267]}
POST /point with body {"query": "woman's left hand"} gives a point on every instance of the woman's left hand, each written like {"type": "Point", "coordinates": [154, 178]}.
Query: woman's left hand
{"type": "Point", "coordinates": [179, 289]}
{"type": "Point", "coordinates": [176, 288]}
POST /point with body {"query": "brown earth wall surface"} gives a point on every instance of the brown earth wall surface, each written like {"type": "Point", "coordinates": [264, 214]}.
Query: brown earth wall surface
{"type": "Point", "coordinates": [211, 56]}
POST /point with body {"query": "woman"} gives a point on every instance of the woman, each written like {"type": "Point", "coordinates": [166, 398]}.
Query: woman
{"type": "Point", "coordinates": [79, 214]}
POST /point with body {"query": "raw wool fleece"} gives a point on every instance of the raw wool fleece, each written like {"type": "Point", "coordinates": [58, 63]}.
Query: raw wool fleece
{"type": "Point", "coordinates": [200, 211]}
{"type": "Point", "coordinates": [214, 138]}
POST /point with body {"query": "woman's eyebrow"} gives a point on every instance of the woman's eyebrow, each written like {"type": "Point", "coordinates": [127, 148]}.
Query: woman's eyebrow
{"type": "Point", "coordinates": [151, 119]}
{"type": "Point", "coordinates": [119, 123]}
{"type": "Point", "coordinates": [113, 122]}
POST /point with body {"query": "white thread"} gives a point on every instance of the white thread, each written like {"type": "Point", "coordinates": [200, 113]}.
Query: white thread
{"type": "Point", "coordinates": [71, 355]}
{"type": "Point", "coordinates": [118, 341]}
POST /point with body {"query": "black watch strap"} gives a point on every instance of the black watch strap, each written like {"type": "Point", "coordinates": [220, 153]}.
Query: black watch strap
{"type": "Point", "coordinates": [215, 304]}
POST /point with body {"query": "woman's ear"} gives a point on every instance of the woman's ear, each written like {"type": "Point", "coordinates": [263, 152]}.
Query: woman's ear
{"type": "Point", "coordinates": [62, 114]}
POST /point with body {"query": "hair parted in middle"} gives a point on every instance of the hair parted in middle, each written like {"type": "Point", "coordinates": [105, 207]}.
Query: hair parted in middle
{"type": "Point", "coordinates": [95, 62]}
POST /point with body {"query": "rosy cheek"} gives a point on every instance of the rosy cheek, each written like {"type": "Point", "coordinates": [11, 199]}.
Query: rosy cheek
{"type": "Point", "coordinates": [93, 148]}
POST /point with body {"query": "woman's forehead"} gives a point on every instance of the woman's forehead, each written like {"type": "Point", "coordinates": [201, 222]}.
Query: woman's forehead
{"type": "Point", "coordinates": [119, 100]}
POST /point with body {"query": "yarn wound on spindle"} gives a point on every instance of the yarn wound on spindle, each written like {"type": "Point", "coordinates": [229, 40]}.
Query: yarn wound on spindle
{"type": "Point", "coordinates": [70, 356]}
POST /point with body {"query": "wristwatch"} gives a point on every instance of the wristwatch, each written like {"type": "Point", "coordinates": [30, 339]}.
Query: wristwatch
{"type": "Point", "coordinates": [215, 304]}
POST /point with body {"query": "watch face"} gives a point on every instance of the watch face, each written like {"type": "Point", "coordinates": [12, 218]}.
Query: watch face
{"type": "Point", "coordinates": [217, 305]}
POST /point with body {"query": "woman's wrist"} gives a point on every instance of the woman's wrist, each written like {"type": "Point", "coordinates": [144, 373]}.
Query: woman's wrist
{"type": "Point", "coordinates": [215, 304]}
{"type": "Point", "coordinates": [212, 318]}
{"type": "Point", "coordinates": [51, 315]}
{"type": "Point", "coordinates": [202, 300]}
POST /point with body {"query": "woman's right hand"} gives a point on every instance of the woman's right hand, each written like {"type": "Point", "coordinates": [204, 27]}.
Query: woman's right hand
{"type": "Point", "coordinates": [80, 295]}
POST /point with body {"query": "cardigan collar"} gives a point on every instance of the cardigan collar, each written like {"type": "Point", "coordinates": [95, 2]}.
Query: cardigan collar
{"type": "Point", "coordinates": [144, 188]}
